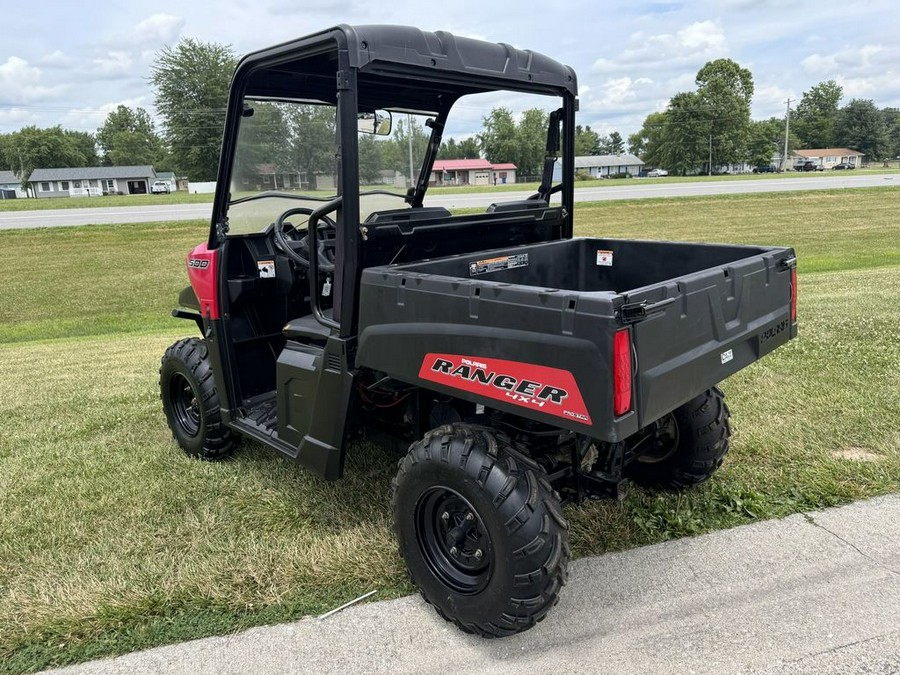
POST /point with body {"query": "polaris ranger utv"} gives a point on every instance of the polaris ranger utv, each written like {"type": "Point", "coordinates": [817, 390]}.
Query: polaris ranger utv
{"type": "Point", "coordinates": [522, 367]}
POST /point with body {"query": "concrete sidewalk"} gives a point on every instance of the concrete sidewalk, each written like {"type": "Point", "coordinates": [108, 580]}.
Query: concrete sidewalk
{"type": "Point", "coordinates": [816, 593]}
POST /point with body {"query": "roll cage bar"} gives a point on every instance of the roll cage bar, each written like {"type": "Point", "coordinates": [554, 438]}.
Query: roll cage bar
{"type": "Point", "coordinates": [394, 67]}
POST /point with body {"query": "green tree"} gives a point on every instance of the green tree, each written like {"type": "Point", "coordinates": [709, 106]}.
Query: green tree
{"type": "Point", "coordinates": [369, 158]}
{"type": "Point", "coordinates": [616, 144]}
{"type": "Point", "coordinates": [464, 149]}
{"type": "Point", "coordinates": [860, 126]}
{"type": "Point", "coordinates": [191, 83]}
{"type": "Point", "coordinates": [683, 147]}
{"type": "Point", "coordinates": [891, 117]}
{"type": "Point", "coordinates": [265, 141]}
{"type": "Point", "coordinates": [128, 137]}
{"type": "Point", "coordinates": [816, 115]}
{"type": "Point", "coordinates": [498, 138]}
{"type": "Point", "coordinates": [395, 150]}
{"type": "Point", "coordinates": [724, 91]}
{"type": "Point", "coordinates": [587, 141]}
{"type": "Point", "coordinates": [32, 148]}
{"type": "Point", "coordinates": [311, 146]}
{"type": "Point", "coordinates": [647, 142]}
{"type": "Point", "coordinates": [86, 144]}
{"type": "Point", "coordinates": [767, 140]}
{"type": "Point", "coordinates": [531, 132]}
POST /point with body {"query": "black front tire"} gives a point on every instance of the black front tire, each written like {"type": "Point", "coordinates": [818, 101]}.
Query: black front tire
{"type": "Point", "coordinates": [690, 445]}
{"type": "Point", "coordinates": [187, 388]}
{"type": "Point", "coordinates": [481, 530]}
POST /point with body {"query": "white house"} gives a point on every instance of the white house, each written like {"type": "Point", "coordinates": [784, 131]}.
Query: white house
{"type": "Point", "coordinates": [10, 186]}
{"type": "Point", "coordinates": [90, 181]}
{"type": "Point", "coordinates": [827, 157]}
{"type": "Point", "coordinates": [602, 166]}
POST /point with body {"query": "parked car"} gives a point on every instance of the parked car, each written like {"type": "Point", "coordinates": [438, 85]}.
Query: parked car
{"type": "Point", "coordinates": [764, 169]}
{"type": "Point", "coordinates": [809, 166]}
{"type": "Point", "coordinates": [842, 165]}
{"type": "Point", "coordinates": [159, 187]}
{"type": "Point", "coordinates": [657, 173]}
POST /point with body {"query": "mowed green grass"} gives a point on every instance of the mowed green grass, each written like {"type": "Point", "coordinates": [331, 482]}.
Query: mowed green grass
{"type": "Point", "coordinates": [107, 200]}
{"type": "Point", "coordinates": [112, 540]}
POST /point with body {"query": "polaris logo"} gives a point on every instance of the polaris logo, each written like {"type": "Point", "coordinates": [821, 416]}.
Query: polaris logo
{"type": "Point", "coordinates": [520, 390]}
{"type": "Point", "coordinates": [198, 263]}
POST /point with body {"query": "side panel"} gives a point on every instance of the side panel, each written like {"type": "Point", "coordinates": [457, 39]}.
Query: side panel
{"type": "Point", "coordinates": [202, 267]}
{"type": "Point", "coordinates": [528, 385]}
{"type": "Point", "coordinates": [564, 381]}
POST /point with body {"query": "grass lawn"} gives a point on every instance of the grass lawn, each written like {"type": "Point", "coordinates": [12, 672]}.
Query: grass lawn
{"type": "Point", "coordinates": [112, 540]}
{"type": "Point", "coordinates": [110, 200]}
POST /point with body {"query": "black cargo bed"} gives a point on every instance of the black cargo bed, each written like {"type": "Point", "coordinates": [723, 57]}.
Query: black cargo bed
{"type": "Point", "coordinates": [696, 313]}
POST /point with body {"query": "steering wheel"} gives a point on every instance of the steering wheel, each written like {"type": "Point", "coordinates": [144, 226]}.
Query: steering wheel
{"type": "Point", "coordinates": [325, 240]}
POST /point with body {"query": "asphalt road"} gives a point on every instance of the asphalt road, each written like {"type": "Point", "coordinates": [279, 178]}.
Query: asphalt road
{"type": "Point", "coordinates": [634, 189]}
{"type": "Point", "coordinates": [816, 593]}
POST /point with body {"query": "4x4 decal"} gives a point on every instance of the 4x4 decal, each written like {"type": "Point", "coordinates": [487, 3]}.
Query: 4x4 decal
{"type": "Point", "coordinates": [549, 390]}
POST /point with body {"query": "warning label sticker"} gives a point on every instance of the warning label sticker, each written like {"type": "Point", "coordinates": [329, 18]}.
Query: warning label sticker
{"type": "Point", "coordinates": [266, 269]}
{"type": "Point", "coordinates": [604, 258]}
{"type": "Point", "coordinates": [506, 262]}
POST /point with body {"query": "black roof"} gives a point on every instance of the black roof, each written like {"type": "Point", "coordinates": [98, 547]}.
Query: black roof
{"type": "Point", "coordinates": [400, 64]}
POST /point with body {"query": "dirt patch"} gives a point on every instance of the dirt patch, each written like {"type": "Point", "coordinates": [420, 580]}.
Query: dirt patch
{"type": "Point", "coordinates": [856, 454]}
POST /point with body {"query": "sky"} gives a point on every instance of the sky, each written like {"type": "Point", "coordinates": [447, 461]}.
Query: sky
{"type": "Point", "coordinates": [72, 63]}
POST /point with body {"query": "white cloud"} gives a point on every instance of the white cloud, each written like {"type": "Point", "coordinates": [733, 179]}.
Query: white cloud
{"type": "Point", "coordinates": [56, 59]}
{"type": "Point", "coordinates": [89, 119]}
{"type": "Point", "coordinates": [158, 29]}
{"type": "Point", "coordinates": [115, 64]}
{"type": "Point", "coordinates": [697, 42]}
{"type": "Point", "coordinates": [16, 117]}
{"type": "Point", "coordinates": [20, 82]}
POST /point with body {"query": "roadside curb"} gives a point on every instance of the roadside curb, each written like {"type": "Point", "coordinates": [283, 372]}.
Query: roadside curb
{"type": "Point", "coordinates": [816, 592]}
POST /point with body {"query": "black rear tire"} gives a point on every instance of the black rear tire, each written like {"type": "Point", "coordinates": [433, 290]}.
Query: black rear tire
{"type": "Point", "coordinates": [481, 530]}
{"type": "Point", "coordinates": [691, 444]}
{"type": "Point", "coordinates": [187, 388]}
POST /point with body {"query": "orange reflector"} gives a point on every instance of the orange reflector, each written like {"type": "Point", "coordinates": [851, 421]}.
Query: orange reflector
{"type": "Point", "coordinates": [794, 295]}
{"type": "Point", "coordinates": [622, 372]}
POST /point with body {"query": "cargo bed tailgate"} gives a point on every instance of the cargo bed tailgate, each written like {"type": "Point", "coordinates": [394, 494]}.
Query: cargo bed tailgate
{"type": "Point", "coordinates": [692, 332]}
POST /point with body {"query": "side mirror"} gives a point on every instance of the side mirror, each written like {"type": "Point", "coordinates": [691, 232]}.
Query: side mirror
{"type": "Point", "coordinates": [378, 122]}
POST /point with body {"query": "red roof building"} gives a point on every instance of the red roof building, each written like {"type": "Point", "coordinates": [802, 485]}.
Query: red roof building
{"type": "Point", "coordinates": [471, 172]}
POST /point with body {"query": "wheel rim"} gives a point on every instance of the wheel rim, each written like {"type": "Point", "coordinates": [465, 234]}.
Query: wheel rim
{"type": "Point", "coordinates": [663, 441]}
{"type": "Point", "coordinates": [185, 404]}
{"type": "Point", "coordinates": [454, 540]}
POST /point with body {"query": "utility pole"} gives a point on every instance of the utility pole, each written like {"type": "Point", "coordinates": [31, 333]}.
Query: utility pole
{"type": "Point", "coordinates": [412, 181]}
{"type": "Point", "coordinates": [787, 130]}
{"type": "Point", "coordinates": [709, 164]}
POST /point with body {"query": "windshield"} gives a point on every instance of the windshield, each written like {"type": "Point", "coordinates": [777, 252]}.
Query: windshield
{"type": "Point", "coordinates": [285, 157]}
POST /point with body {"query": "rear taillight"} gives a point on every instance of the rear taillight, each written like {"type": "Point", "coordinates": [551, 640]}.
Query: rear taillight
{"type": "Point", "coordinates": [622, 372]}
{"type": "Point", "coordinates": [794, 295]}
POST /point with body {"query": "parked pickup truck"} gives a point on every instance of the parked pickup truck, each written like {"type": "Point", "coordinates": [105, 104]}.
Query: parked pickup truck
{"type": "Point", "coordinates": [516, 366]}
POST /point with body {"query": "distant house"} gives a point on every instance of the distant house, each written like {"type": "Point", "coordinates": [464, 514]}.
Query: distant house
{"type": "Point", "coordinates": [10, 186]}
{"type": "Point", "coordinates": [174, 183]}
{"type": "Point", "coordinates": [272, 177]}
{"type": "Point", "coordinates": [391, 177]}
{"type": "Point", "coordinates": [827, 157]}
{"type": "Point", "coordinates": [91, 181]}
{"type": "Point", "coordinates": [601, 166]}
{"type": "Point", "coordinates": [471, 172]}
